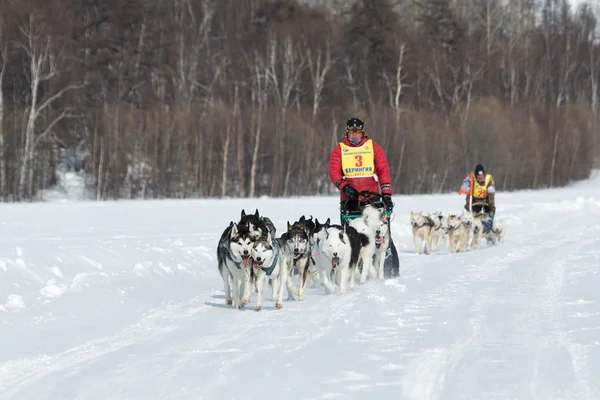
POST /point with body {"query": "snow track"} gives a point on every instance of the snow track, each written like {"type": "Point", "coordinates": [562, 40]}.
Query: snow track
{"type": "Point", "coordinates": [122, 301]}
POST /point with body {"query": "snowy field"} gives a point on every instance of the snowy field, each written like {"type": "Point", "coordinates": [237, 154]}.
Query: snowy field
{"type": "Point", "coordinates": [123, 300]}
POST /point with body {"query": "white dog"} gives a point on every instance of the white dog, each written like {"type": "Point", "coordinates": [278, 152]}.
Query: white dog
{"type": "Point", "coordinates": [477, 231]}
{"type": "Point", "coordinates": [439, 230]}
{"type": "Point", "coordinates": [457, 234]}
{"type": "Point", "coordinates": [342, 248]}
{"type": "Point", "coordinates": [421, 228]}
{"type": "Point", "coordinates": [367, 224]}
{"type": "Point", "coordinates": [382, 239]}
{"type": "Point", "coordinates": [467, 219]}
{"type": "Point", "coordinates": [323, 263]}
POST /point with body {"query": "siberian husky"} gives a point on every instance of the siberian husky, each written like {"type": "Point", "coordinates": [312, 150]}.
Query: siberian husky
{"type": "Point", "coordinates": [269, 261]}
{"type": "Point", "coordinates": [233, 257]}
{"type": "Point", "coordinates": [297, 245]}
{"type": "Point", "coordinates": [320, 259]}
{"type": "Point", "coordinates": [367, 224]}
{"type": "Point", "coordinates": [342, 249]}
{"type": "Point", "coordinates": [457, 234]}
{"type": "Point", "coordinates": [422, 228]}
{"type": "Point", "coordinates": [468, 222]}
{"type": "Point", "coordinates": [439, 230]}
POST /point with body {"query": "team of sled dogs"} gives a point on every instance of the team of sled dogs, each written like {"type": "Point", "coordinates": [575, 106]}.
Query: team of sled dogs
{"type": "Point", "coordinates": [249, 253]}
{"type": "Point", "coordinates": [463, 232]}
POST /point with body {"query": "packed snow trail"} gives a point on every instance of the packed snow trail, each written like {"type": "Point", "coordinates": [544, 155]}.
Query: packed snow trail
{"type": "Point", "coordinates": [123, 301]}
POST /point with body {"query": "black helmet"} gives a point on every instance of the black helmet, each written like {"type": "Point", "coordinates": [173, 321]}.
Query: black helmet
{"type": "Point", "coordinates": [355, 122]}
{"type": "Point", "coordinates": [479, 169]}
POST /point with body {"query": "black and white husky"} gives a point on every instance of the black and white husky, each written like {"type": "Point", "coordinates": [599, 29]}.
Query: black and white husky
{"type": "Point", "coordinates": [269, 262]}
{"type": "Point", "coordinates": [257, 224]}
{"type": "Point", "coordinates": [233, 257]}
{"type": "Point", "coordinates": [342, 248]}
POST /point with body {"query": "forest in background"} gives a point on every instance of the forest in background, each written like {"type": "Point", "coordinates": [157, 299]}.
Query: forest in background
{"type": "Point", "coordinates": [211, 98]}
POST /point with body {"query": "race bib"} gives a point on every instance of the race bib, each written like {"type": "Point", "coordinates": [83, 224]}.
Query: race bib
{"type": "Point", "coordinates": [481, 191]}
{"type": "Point", "coordinates": [358, 161]}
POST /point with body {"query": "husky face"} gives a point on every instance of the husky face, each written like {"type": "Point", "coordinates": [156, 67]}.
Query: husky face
{"type": "Point", "coordinates": [467, 218]}
{"type": "Point", "coordinates": [258, 225]}
{"type": "Point", "coordinates": [240, 242]}
{"type": "Point", "coordinates": [417, 220]}
{"type": "Point", "coordinates": [262, 252]}
{"type": "Point", "coordinates": [296, 240]}
{"type": "Point", "coordinates": [453, 222]}
{"type": "Point", "coordinates": [336, 245]}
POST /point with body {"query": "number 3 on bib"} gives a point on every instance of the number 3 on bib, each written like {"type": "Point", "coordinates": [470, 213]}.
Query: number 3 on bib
{"type": "Point", "coordinates": [359, 161]}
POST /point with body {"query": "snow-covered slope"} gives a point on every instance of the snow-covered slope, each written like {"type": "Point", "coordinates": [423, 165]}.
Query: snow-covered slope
{"type": "Point", "coordinates": [122, 300]}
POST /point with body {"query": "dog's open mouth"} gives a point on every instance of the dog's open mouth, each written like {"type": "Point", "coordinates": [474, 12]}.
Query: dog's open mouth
{"type": "Point", "coordinates": [335, 261]}
{"type": "Point", "coordinates": [245, 260]}
{"type": "Point", "coordinates": [379, 239]}
{"type": "Point", "coordinates": [257, 264]}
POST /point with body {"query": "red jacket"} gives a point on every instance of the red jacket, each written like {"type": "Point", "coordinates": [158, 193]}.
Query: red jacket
{"type": "Point", "coordinates": [382, 171]}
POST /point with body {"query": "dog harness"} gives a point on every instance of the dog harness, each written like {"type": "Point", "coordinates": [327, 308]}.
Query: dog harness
{"type": "Point", "coordinates": [358, 162]}
{"type": "Point", "coordinates": [269, 270]}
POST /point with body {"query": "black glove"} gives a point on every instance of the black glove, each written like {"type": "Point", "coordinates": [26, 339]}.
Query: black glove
{"type": "Point", "coordinates": [389, 205]}
{"type": "Point", "coordinates": [351, 192]}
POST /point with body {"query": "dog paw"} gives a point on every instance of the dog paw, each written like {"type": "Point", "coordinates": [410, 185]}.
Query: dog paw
{"type": "Point", "coordinates": [228, 302]}
{"type": "Point", "coordinates": [244, 301]}
{"type": "Point", "coordinates": [257, 308]}
{"type": "Point", "coordinates": [278, 305]}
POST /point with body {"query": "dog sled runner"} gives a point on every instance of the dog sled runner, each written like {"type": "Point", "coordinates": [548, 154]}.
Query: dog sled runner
{"type": "Point", "coordinates": [351, 209]}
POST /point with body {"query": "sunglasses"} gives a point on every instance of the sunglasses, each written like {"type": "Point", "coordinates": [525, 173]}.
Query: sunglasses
{"type": "Point", "coordinates": [354, 129]}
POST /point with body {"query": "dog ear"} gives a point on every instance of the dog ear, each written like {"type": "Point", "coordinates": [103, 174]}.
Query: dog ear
{"type": "Point", "coordinates": [256, 214]}
{"type": "Point", "coordinates": [243, 213]}
{"type": "Point", "coordinates": [269, 239]}
{"type": "Point", "coordinates": [302, 219]}
{"type": "Point", "coordinates": [289, 227]}
{"type": "Point", "coordinates": [234, 229]}
{"type": "Point", "coordinates": [328, 222]}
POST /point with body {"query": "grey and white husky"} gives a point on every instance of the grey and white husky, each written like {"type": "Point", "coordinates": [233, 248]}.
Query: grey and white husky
{"type": "Point", "coordinates": [297, 246]}
{"type": "Point", "coordinates": [269, 262]}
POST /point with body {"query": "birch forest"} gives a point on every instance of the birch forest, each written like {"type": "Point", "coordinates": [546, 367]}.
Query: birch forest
{"type": "Point", "coordinates": [152, 99]}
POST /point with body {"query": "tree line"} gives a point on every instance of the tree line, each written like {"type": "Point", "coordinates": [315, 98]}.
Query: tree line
{"type": "Point", "coordinates": [205, 98]}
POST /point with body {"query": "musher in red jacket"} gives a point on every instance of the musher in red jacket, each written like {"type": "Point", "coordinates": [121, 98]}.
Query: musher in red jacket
{"type": "Point", "coordinates": [353, 164]}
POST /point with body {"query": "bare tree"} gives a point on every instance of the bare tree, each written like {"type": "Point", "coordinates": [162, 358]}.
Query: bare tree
{"type": "Point", "coordinates": [44, 57]}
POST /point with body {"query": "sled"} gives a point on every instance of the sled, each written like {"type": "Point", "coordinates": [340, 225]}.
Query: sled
{"type": "Point", "coordinates": [351, 209]}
